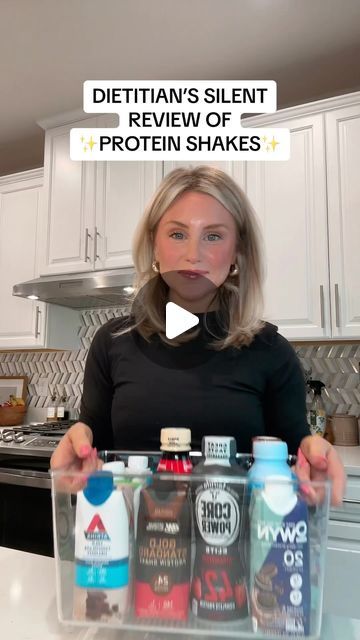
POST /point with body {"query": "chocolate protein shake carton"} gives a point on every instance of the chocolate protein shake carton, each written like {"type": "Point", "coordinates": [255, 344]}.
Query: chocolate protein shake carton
{"type": "Point", "coordinates": [101, 551]}
{"type": "Point", "coordinates": [280, 587]}
{"type": "Point", "coordinates": [279, 544]}
{"type": "Point", "coordinates": [218, 585]}
{"type": "Point", "coordinates": [163, 539]}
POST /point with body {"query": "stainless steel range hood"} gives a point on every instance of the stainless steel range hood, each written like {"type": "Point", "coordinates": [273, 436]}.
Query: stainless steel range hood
{"type": "Point", "coordinates": [91, 290]}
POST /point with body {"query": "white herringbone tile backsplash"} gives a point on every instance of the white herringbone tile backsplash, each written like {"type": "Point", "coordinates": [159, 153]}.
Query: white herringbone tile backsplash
{"type": "Point", "coordinates": [336, 365]}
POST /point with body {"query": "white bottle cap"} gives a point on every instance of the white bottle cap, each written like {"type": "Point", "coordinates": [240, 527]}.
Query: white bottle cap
{"type": "Point", "coordinates": [138, 463]}
{"type": "Point", "coordinates": [117, 466]}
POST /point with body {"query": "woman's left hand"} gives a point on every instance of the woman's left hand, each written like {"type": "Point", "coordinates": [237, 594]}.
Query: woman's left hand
{"type": "Point", "coordinates": [318, 460]}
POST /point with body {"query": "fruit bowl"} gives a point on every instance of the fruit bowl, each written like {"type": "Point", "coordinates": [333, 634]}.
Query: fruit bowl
{"type": "Point", "coordinates": [12, 416]}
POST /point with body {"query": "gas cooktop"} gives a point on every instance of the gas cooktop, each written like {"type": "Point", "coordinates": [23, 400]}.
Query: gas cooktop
{"type": "Point", "coordinates": [47, 428]}
{"type": "Point", "coordinates": [36, 438]}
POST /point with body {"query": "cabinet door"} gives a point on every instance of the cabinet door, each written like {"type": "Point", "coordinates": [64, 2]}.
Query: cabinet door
{"type": "Point", "coordinates": [235, 169]}
{"type": "Point", "coordinates": [342, 569]}
{"type": "Point", "coordinates": [68, 215]}
{"type": "Point", "coordinates": [290, 200]}
{"type": "Point", "coordinates": [122, 192]}
{"type": "Point", "coordinates": [22, 322]}
{"type": "Point", "coordinates": [343, 172]}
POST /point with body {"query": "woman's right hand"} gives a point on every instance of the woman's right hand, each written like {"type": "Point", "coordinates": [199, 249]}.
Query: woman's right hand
{"type": "Point", "coordinates": [76, 454]}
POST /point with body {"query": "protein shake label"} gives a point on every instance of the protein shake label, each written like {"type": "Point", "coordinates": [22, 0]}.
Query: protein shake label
{"type": "Point", "coordinates": [180, 465]}
{"type": "Point", "coordinates": [280, 578]}
{"type": "Point", "coordinates": [101, 558]}
{"type": "Point", "coordinates": [217, 516]}
{"type": "Point", "coordinates": [218, 586]}
{"type": "Point", "coordinates": [101, 547]}
{"type": "Point", "coordinates": [162, 586]}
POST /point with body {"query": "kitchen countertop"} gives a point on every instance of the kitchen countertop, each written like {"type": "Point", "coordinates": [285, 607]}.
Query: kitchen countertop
{"type": "Point", "coordinates": [28, 606]}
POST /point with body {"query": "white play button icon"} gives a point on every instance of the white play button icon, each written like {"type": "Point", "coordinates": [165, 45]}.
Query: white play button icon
{"type": "Point", "coordinates": [178, 320]}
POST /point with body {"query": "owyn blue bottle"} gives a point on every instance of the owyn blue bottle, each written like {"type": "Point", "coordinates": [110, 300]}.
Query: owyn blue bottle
{"type": "Point", "coordinates": [279, 546]}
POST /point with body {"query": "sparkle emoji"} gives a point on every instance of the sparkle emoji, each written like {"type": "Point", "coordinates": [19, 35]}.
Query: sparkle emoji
{"type": "Point", "coordinates": [88, 144]}
{"type": "Point", "coordinates": [274, 143]}
{"type": "Point", "coordinates": [269, 145]}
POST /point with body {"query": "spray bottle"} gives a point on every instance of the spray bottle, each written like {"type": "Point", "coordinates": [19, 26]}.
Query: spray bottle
{"type": "Point", "coordinates": [317, 412]}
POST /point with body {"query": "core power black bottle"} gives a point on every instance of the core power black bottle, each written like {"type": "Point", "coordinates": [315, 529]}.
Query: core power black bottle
{"type": "Point", "coordinates": [218, 586]}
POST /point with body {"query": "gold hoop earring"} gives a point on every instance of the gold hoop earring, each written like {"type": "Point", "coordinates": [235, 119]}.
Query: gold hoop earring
{"type": "Point", "coordinates": [155, 266]}
{"type": "Point", "coordinates": [234, 270]}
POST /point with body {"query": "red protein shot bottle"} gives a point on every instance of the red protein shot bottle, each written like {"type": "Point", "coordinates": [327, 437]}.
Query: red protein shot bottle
{"type": "Point", "coordinates": [175, 445]}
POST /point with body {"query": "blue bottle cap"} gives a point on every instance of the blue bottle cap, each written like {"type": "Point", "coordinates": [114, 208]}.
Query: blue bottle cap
{"type": "Point", "coordinates": [99, 487]}
{"type": "Point", "coordinates": [270, 450]}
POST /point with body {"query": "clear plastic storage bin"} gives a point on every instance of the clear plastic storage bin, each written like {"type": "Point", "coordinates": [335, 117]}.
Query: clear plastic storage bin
{"type": "Point", "coordinates": [175, 554]}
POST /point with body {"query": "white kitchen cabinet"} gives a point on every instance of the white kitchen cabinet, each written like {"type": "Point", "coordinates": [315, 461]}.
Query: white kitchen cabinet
{"type": "Point", "coordinates": [26, 323]}
{"type": "Point", "coordinates": [342, 569]}
{"type": "Point", "coordinates": [342, 561]}
{"type": "Point", "coordinates": [290, 201]}
{"type": "Point", "coordinates": [123, 190]}
{"type": "Point", "coordinates": [20, 320]}
{"type": "Point", "coordinates": [343, 183]}
{"type": "Point", "coordinates": [309, 209]}
{"type": "Point", "coordinates": [91, 209]}
{"type": "Point", "coordinates": [235, 169]}
{"type": "Point", "coordinates": [67, 216]}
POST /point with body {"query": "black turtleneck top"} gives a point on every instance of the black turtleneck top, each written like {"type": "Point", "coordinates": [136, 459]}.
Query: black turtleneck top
{"type": "Point", "coordinates": [133, 388]}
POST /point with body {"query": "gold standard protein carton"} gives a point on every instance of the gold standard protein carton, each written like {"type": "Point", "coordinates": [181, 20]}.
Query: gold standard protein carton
{"type": "Point", "coordinates": [218, 586]}
{"type": "Point", "coordinates": [162, 557]}
{"type": "Point", "coordinates": [163, 540]}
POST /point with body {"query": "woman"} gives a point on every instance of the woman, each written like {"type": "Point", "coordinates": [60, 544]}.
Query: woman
{"type": "Point", "coordinates": [197, 246]}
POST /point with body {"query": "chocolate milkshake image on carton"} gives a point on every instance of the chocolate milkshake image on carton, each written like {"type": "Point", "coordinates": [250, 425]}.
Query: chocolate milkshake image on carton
{"type": "Point", "coordinates": [101, 551]}
{"type": "Point", "coordinates": [218, 585]}
{"type": "Point", "coordinates": [279, 553]}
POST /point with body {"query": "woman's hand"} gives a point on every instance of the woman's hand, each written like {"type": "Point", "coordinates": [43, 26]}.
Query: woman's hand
{"type": "Point", "coordinates": [317, 460]}
{"type": "Point", "coordinates": [75, 453]}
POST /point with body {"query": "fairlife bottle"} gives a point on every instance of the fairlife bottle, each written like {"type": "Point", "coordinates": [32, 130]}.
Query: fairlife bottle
{"type": "Point", "coordinates": [218, 586]}
{"type": "Point", "coordinates": [279, 546]}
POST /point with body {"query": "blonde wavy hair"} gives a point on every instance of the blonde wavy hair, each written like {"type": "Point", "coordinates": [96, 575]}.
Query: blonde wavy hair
{"type": "Point", "coordinates": [240, 297]}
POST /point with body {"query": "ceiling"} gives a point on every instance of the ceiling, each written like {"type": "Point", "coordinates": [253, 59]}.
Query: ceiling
{"type": "Point", "coordinates": [48, 48]}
